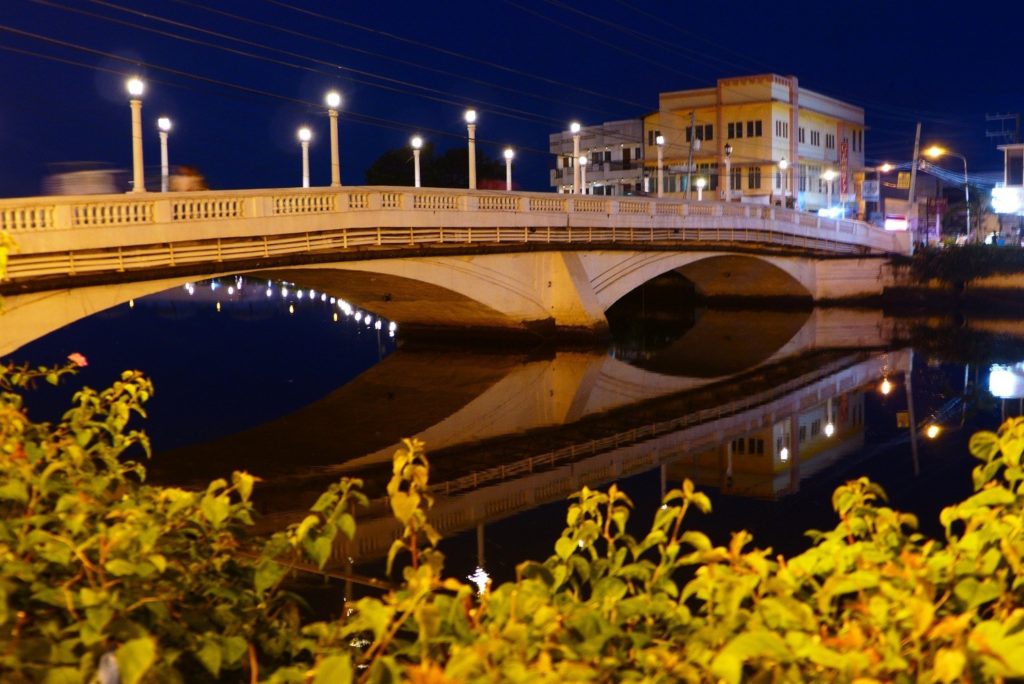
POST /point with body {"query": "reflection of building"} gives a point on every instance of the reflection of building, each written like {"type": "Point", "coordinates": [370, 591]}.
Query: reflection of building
{"type": "Point", "coordinates": [614, 162]}
{"type": "Point", "coordinates": [765, 119]}
{"type": "Point", "coordinates": [767, 461]}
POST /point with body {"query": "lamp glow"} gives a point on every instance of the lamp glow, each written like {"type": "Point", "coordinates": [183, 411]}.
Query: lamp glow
{"type": "Point", "coordinates": [784, 454]}
{"type": "Point", "coordinates": [574, 127]}
{"type": "Point", "coordinates": [830, 429]}
{"type": "Point", "coordinates": [932, 431]}
{"type": "Point", "coordinates": [935, 152]}
{"type": "Point", "coordinates": [416, 142]}
{"type": "Point", "coordinates": [509, 153]}
{"type": "Point", "coordinates": [164, 124]}
{"type": "Point", "coordinates": [136, 86]}
{"type": "Point", "coordinates": [305, 135]}
{"type": "Point", "coordinates": [660, 140]}
{"type": "Point", "coordinates": [470, 116]}
{"type": "Point", "coordinates": [333, 99]}
{"type": "Point", "coordinates": [885, 168]}
{"type": "Point", "coordinates": [886, 387]}
{"type": "Point", "coordinates": [783, 163]}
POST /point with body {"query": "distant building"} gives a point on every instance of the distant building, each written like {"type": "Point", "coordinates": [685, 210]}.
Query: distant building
{"type": "Point", "coordinates": [765, 119]}
{"type": "Point", "coordinates": [614, 152]}
{"type": "Point", "coordinates": [1008, 196]}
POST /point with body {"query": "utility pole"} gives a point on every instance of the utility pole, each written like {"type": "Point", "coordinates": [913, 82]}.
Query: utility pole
{"type": "Point", "coordinates": [689, 159]}
{"type": "Point", "coordinates": [911, 209]}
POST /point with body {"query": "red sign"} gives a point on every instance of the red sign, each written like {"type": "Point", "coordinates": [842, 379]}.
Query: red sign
{"type": "Point", "coordinates": [844, 167]}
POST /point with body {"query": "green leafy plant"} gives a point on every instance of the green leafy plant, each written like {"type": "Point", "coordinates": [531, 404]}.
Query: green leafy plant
{"type": "Point", "coordinates": [104, 574]}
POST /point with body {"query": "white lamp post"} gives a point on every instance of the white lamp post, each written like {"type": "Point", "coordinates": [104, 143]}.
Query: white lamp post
{"type": "Point", "coordinates": [471, 131]}
{"type": "Point", "coordinates": [728, 173]}
{"type": "Point", "coordinates": [660, 142]}
{"type": "Point", "coordinates": [417, 144]}
{"type": "Point", "coordinates": [136, 87]}
{"type": "Point", "coordinates": [509, 154]}
{"type": "Point", "coordinates": [304, 137]}
{"type": "Point", "coordinates": [784, 167]}
{"type": "Point", "coordinates": [574, 128]}
{"type": "Point", "coordinates": [164, 124]}
{"type": "Point", "coordinates": [700, 183]}
{"type": "Point", "coordinates": [582, 163]}
{"type": "Point", "coordinates": [828, 176]}
{"type": "Point", "coordinates": [333, 100]}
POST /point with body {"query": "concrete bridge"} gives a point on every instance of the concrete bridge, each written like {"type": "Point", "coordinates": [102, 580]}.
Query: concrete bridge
{"type": "Point", "coordinates": [435, 257]}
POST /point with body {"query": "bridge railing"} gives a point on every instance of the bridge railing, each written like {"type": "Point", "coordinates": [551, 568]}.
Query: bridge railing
{"type": "Point", "coordinates": [74, 234]}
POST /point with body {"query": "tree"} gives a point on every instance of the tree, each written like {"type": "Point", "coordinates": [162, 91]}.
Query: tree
{"type": "Point", "coordinates": [447, 170]}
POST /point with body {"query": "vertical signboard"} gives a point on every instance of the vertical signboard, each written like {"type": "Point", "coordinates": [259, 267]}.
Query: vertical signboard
{"type": "Point", "coordinates": [844, 168]}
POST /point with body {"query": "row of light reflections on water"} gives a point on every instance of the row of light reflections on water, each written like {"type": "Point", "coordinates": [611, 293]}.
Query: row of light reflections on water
{"type": "Point", "coordinates": [287, 291]}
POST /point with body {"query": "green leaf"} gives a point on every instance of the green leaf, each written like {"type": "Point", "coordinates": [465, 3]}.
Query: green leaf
{"type": "Point", "coordinates": [216, 508]}
{"type": "Point", "coordinates": [347, 524]}
{"type": "Point", "coordinates": [949, 665]}
{"type": "Point", "coordinates": [320, 551]}
{"type": "Point", "coordinates": [233, 648]}
{"type": "Point", "coordinates": [63, 675]}
{"type": "Point", "coordinates": [120, 567]}
{"type": "Point", "coordinates": [243, 481]}
{"type": "Point", "coordinates": [135, 658]}
{"type": "Point", "coordinates": [210, 655]}
{"type": "Point", "coordinates": [564, 547]}
{"type": "Point", "coordinates": [14, 490]}
{"type": "Point", "coordinates": [336, 669]}
{"type": "Point", "coordinates": [984, 445]}
{"type": "Point", "coordinates": [268, 574]}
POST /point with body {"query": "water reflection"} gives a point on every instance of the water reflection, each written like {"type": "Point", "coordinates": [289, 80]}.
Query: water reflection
{"type": "Point", "coordinates": [301, 388]}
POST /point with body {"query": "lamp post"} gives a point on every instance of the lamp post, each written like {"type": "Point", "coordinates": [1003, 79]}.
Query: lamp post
{"type": "Point", "coordinates": [728, 173]}
{"type": "Point", "coordinates": [136, 87]}
{"type": "Point", "coordinates": [784, 167]}
{"type": "Point", "coordinates": [164, 124]}
{"type": "Point", "coordinates": [333, 100]}
{"type": "Point", "coordinates": [700, 183]}
{"type": "Point", "coordinates": [574, 128]}
{"type": "Point", "coordinates": [509, 154]}
{"type": "Point", "coordinates": [582, 162]}
{"type": "Point", "coordinates": [935, 152]}
{"type": "Point", "coordinates": [828, 177]}
{"type": "Point", "coordinates": [660, 142]}
{"type": "Point", "coordinates": [470, 117]}
{"type": "Point", "coordinates": [417, 144]}
{"type": "Point", "coordinates": [304, 137]}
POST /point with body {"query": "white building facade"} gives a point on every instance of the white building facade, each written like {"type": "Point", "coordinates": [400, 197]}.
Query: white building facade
{"type": "Point", "coordinates": [614, 152]}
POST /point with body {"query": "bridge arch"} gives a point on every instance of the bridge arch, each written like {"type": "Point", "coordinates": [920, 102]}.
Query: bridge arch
{"type": "Point", "coordinates": [615, 274]}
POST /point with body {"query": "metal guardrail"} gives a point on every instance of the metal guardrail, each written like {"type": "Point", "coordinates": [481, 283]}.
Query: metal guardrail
{"type": "Point", "coordinates": [90, 234]}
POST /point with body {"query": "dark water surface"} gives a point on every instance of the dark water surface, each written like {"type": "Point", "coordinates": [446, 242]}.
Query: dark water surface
{"type": "Point", "coordinates": [301, 389]}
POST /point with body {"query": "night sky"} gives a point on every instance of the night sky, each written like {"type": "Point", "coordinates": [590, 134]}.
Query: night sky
{"type": "Point", "coordinates": [238, 77]}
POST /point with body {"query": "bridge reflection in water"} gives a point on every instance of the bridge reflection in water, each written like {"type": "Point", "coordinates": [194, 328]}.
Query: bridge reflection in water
{"type": "Point", "coordinates": [750, 413]}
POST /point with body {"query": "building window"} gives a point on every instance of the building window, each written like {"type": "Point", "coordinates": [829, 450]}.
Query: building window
{"type": "Point", "coordinates": [754, 178]}
{"type": "Point", "coordinates": [753, 129]}
{"type": "Point", "coordinates": [735, 179]}
{"type": "Point", "coordinates": [778, 180]}
{"type": "Point", "coordinates": [781, 129]}
{"type": "Point", "coordinates": [652, 137]}
{"type": "Point", "coordinates": [736, 129]}
{"type": "Point", "coordinates": [800, 135]}
{"type": "Point", "coordinates": [709, 132]}
{"type": "Point", "coordinates": [803, 178]}
{"type": "Point", "coordinates": [830, 141]}
{"type": "Point", "coordinates": [803, 434]}
{"type": "Point", "coordinates": [816, 138]}
{"type": "Point", "coordinates": [738, 446]}
{"type": "Point", "coordinates": [815, 427]}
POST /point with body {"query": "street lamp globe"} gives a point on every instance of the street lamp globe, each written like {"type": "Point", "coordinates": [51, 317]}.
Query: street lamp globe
{"type": "Point", "coordinates": [305, 135]}
{"type": "Point", "coordinates": [333, 99]}
{"type": "Point", "coordinates": [660, 140]}
{"type": "Point", "coordinates": [470, 116]}
{"type": "Point", "coordinates": [416, 142]}
{"type": "Point", "coordinates": [885, 168]}
{"type": "Point", "coordinates": [136, 86]}
{"type": "Point", "coordinates": [700, 183]}
{"type": "Point", "coordinates": [934, 152]}
{"type": "Point", "coordinates": [164, 124]}
{"type": "Point", "coordinates": [583, 161]}
{"type": "Point", "coordinates": [783, 163]}
{"type": "Point", "coordinates": [728, 150]}
{"type": "Point", "coordinates": [574, 127]}
{"type": "Point", "coordinates": [829, 175]}
{"type": "Point", "coordinates": [509, 153]}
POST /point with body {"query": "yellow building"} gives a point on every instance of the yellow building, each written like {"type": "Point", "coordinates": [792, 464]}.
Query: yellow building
{"type": "Point", "coordinates": [781, 141]}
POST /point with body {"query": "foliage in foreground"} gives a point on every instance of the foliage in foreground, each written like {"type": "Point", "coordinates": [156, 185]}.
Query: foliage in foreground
{"type": "Point", "coordinates": [105, 578]}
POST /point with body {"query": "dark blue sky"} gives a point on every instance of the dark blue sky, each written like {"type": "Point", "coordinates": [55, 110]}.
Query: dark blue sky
{"type": "Point", "coordinates": [249, 72]}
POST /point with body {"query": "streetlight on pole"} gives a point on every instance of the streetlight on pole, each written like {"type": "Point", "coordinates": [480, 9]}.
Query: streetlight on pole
{"type": "Point", "coordinates": [582, 162]}
{"type": "Point", "coordinates": [304, 137]}
{"type": "Point", "coordinates": [470, 117]}
{"type": "Point", "coordinates": [660, 142]}
{"type": "Point", "coordinates": [784, 167]}
{"type": "Point", "coordinates": [333, 100]}
{"type": "Point", "coordinates": [574, 128]}
{"type": "Point", "coordinates": [828, 177]}
{"type": "Point", "coordinates": [509, 154]}
{"type": "Point", "coordinates": [164, 124]}
{"type": "Point", "coordinates": [700, 183]}
{"type": "Point", "coordinates": [728, 174]}
{"type": "Point", "coordinates": [417, 144]}
{"type": "Point", "coordinates": [136, 86]}
{"type": "Point", "coordinates": [935, 152]}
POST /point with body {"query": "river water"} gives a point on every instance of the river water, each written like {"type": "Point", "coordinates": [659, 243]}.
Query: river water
{"type": "Point", "coordinates": [766, 410]}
